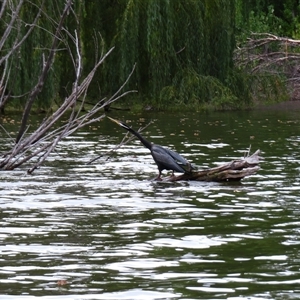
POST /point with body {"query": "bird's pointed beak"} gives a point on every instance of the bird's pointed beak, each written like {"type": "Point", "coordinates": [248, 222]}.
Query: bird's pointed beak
{"type": "Point", "coordinates": [116, 121]}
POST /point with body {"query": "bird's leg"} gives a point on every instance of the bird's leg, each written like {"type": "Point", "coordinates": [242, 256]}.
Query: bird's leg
{"type": "Point", "coordinates": [158, 178]}
{"type": "Point", "coordinates": [172, 175]}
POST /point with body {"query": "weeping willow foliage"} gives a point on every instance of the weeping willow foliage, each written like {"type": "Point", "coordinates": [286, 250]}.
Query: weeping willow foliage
{"type": "Point", "coordinates": [183, 50]}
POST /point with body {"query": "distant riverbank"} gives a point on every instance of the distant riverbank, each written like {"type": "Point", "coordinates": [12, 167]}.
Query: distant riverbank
{"type": "Point", "coordinates": [287, 105]}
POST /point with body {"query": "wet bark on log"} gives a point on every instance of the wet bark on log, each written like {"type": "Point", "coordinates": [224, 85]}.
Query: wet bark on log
{"type": "Point", "coordinates": [232, 171]}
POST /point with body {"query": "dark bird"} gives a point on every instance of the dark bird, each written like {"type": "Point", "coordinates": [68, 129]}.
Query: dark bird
{"type": "Point", "coordinates": [165, 159]}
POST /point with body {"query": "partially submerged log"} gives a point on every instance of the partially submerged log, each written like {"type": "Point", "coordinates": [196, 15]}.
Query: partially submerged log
{"type": "Point", "coordinates": [232, 171]}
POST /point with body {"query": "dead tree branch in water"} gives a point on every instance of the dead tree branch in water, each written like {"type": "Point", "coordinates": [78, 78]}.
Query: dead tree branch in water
{"type": "Point", "coordinates": [42, 142]}
{"type": "Point", "coordinates": [39, 144]}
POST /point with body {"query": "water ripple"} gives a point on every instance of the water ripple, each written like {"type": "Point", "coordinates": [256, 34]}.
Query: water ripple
{"type": "Point", "coordinates": [107, 231]}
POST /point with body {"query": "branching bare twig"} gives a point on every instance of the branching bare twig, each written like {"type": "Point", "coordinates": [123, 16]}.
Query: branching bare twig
{"type": "Point", "coordinates": [46, 67]}
{"type": "Point", "coordinates": [13, 26]}
{"type": "Point", "coordinates": [3, 7]}
{"type": "Point", "coordinates": [268, 54]}
{"type": "Point", "coordinates": [17, 42]}
{"type": "Point", "coordinates": [126, 139]}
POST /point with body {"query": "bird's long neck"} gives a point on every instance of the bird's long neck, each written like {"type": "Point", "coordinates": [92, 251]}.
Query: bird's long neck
{"type": "Point", "coordinates": [146, 143]}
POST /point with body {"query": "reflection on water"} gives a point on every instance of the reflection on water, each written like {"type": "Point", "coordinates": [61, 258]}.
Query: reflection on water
{"type": "Point", "coordinates": [107, 231]}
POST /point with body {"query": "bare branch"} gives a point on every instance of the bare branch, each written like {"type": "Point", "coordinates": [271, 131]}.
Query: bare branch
{"type": "Point", "coordinates": [44, 73]}
{"type": "Point", "coordinates": [9, 27]}
{"type": "Point", "coordinates": [17, 43]}
{"type": "Point", "coordinates": [126, 139]}
{"type": "Point", "coordinates": [3, 6]}
{"type": "Point", "coordinates": [266, 52]}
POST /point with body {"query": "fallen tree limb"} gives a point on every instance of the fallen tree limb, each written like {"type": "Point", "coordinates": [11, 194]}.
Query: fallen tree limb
{"type": "Point", "coordinates": [232, 171]}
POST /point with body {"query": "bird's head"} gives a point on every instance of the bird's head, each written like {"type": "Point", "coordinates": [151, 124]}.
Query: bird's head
{"type": "Point", "coordinates": [122, 124]}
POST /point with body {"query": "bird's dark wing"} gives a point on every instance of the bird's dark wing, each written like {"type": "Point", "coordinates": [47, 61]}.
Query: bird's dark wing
{"type": "Point", "coordinates": [169, 160]}
{"type": "Point", "coordinates": [164, 161]}
{"type": "Point", "coordinates": [181, 161]}
{"type": "Point", "coordinates": [176, 156]}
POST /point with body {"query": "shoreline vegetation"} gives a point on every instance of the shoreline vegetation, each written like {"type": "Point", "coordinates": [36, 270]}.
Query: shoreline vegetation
{"type": "Point", "coordinates": [136, 107]}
